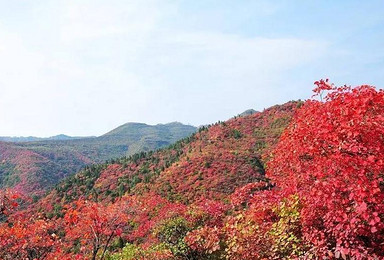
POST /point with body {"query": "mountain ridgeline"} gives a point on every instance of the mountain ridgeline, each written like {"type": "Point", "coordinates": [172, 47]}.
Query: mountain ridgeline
{"type": "Point", "coordinates": [34, 166]}
{"type": "Point", "coordinates": [210, 163]}
{"type": "Point", "coordinates": [20, 139]}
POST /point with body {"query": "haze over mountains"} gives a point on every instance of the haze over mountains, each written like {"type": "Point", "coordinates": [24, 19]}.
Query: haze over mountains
{"type": "Point", "coordinates": [17, 139]}
{"type": "Point", "coordinates": [32, 165]}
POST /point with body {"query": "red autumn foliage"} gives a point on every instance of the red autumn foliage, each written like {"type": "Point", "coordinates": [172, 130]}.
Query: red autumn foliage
{"type": "Point", "coordinates": [24, 238]}
{"type": "Point", "coordinates": [328, 195]}
{"type": "Point", "coordinates": [332, 156]}
{"type": "Point", "coordinates": [8, 202]}
{"type": "Point", "coordinates": [95, 225]}
{"type": "Point", "coordinates": [225, 157]}
{"type": "Point", "coordinates": [205, 239]}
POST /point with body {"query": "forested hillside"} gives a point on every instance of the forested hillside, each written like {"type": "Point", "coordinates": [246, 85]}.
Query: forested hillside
{"type": "Point", "coordinates": [303, 180]}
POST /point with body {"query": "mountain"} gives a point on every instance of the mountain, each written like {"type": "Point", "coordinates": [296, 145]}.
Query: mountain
{"type": "Point", "coordinates": [64, 137]}
{"type": "Point", "coordinates": [33, 167]}
{"type": "Point", "coordinates": [17, 139]}
{"type": "Point", "coordinates": [146, 137]}
{"type": "Point", "coordinates": [248, 112]}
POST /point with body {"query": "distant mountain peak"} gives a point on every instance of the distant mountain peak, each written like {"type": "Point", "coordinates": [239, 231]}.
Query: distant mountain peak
{"type": "Point", "coordinates": [175, 123]}
{"type": "Point", "coordinates": [61, 137]}
{"type": "Point", "coordinates": [23, 139]}
{"type": "Point", "coordinates": [131, 127]}
{"type": "Point", "coordinates": [248, 112]}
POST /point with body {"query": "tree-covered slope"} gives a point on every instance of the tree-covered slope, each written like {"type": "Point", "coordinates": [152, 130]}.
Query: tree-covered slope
{"type": "Point", "coordinates": [29, 171]}
{"type": "Point", "coordinates": [210, 163]}
{"type": "Point", "coordinates": [32, 167]}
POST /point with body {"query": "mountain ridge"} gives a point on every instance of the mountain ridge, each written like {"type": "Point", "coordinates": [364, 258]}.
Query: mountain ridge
{"type": "Point", "coordinates": [58, 137]}
{"type": "Point", "coordinates": [17, 139]}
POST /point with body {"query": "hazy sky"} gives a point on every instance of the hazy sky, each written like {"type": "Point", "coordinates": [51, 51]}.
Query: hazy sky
{"type": "Point", "coordinates": [83, 67]}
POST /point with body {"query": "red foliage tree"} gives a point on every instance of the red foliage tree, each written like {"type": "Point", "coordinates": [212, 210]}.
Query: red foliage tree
{"type": "Point", "coordinates": [328, 195]}
{"type": "Point", "coordinates": [332, 156]}
{"type": "Point", "coordinates": [26, 238]}
{"type": "Point", "coordinates": [95, 225]}
{"type": "Point", "coordinates": [8, 202]}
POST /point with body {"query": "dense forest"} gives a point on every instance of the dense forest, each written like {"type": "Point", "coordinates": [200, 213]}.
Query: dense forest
{"type": "Point", "coordinates": [302, 180]}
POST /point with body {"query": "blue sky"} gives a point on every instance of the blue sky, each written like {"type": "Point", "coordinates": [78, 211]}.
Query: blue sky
{"type": "Point", "coordinates": [83, 67]}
